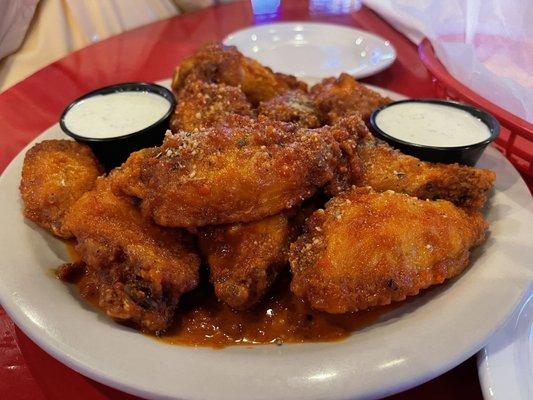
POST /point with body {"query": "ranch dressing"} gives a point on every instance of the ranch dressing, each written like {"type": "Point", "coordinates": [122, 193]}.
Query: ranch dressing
{"type": "Point", "coordinates": [115, 114]}
{"type": "Point", "coordinates": [432, 125]}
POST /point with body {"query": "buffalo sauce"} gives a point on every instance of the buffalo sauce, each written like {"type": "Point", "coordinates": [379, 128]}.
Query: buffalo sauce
{"type": "Point", "coordinates": [281, 317]}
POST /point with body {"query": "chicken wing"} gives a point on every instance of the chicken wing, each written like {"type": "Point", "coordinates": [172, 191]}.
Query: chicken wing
{"type": "Point", "coordinates": [245, 172]}
{"type": "Point", "coordinates": [294, 106]}
{"type": "Point", "coordinates": [126, 179]}
{"type": "Point", "coordinates": [244, 259]}
{"type": "Point", "coordinates": [347, 132]}
{"type": "Point", "coordinates": [201, 104]}
{"type": "Point", "coordinates": [55, 174]}
{"type": "Point", "coordinates": [139, 270]}
{"type": "Point", "coordinates": [368, 249]}
{"type": "Point", "coordinates": [216, 63]}
{"type": "Point", "coordinates": [384, 168]}
{"type": "Point", "coordinates": [339, 97]}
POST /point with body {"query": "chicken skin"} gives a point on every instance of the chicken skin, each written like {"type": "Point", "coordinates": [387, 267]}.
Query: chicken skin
{"type": "Point", "coordinates": [384, 168]}
{"type": "Point", "coordinates": [126, 178]}
{"type": "Point", "coordinates": [55, 174]}
{"type": "Point", "coordinates": [240, 173]}
{"type": "Point", "coordinates": [201, 104]}
{"type": "Point", "coordinates": [244, 259]}
{"type": "Point", "coordinates": [294, 106]}
{"type": "Point", "coordinates": [139, 270]}
{"type": "Point", "coordinates": [216, 63]}
{"type": "Point", "coordinates": [347, 133]}
{"type": "Point", "coordinates": [339, 97]}
{"type": "Point", "coordinates": [368, 249]}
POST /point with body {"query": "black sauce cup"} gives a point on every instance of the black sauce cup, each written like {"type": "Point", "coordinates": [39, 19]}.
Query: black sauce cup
{"type": "Point", "coordinates": [112, 152]}
{"type": "Point", "coordinates": [467, 155]}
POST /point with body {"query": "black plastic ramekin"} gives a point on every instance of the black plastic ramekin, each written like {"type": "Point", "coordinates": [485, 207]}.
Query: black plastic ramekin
{"type": "Point", "coordinates": [112, 152]}
{"type": "Point", "coordinates": [467, 155]}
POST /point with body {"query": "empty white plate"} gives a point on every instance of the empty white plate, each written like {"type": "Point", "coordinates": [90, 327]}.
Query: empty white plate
{"type": "Point", "coordinates": [314, 50]}
{"type": "Point", "coordinates": [505, 366]}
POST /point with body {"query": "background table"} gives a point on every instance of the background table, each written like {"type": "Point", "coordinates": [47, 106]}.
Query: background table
{"type": "Point", "coordinates": [150, 53]}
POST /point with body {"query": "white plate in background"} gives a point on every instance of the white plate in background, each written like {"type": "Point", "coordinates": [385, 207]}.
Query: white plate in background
{"type": "Point", "coordinates": [505, 365]}
{"type": "Point", "coordinates": [314, 50]}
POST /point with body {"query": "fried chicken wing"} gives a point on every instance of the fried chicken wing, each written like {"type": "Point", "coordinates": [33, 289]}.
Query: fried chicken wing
{"type": "Point", "coordinates": [245, 172]}
{"type": "Point", "coordinates": [384, 168]}
{"type": "Point", "coordinates": [343, 96]}
{"type": "Point", "coordinates": [55, 174]}
{"type": "Point", "coordinates": [201, 104]}
{"type": "Point", "coordinates": [126, 179]}
{"type": "Point", "coordinates": [294, 106]}
{"type": "Point", "coordinates": [245, 258]}
{"type": "Point", "coordinates": [216, 63]}
{"type": "Point", "coordinates": [139, 270]}
{"type": "Point", "coordinates": [368, 249]}
{"type": "Point", "coordinates": [347, 132]}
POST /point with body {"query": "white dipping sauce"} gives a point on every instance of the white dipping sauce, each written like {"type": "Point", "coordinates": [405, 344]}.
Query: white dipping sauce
{"type": "Point", "coordinates": [115, 114]}
{"type": "Point", "coordinates": [432, 125]}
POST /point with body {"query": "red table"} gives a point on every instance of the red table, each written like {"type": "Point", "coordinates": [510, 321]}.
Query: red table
{"type": "Point", "coordinates": [148, 54]}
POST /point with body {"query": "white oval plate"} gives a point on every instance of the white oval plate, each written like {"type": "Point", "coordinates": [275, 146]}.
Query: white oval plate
{"type": "Point", "coordinates": [415, 342]}
{"type": "Point", "coordinates": [314, 50]}
{"type": "Point", "coordinates": [505, 365]}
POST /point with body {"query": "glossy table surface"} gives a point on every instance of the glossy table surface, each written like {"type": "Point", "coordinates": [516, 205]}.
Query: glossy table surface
{"type": "Point", "coordinates": [150, 53]}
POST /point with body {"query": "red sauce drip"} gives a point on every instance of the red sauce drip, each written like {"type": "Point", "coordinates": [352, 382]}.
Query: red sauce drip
{"type": "Point", "coordinates": [201, 320]}
{"type": "Point", "coordinates": [280, 318]}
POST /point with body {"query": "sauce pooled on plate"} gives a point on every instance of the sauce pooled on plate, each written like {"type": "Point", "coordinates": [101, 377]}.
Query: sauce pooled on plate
{"type": "Point", "coordinates": [281, 317]}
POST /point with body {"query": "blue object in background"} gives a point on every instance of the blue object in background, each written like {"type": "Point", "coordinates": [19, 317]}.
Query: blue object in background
{"type": "Point", "coordinates": [265, 10]}
{"type": "Point", "coordinates": [333, 6]}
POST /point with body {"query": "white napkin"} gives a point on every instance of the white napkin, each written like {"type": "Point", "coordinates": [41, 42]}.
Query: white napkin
{"type": "Point", "coordinates": [15, 17]}
{"type": "Point", "coordinates": [485, 44]}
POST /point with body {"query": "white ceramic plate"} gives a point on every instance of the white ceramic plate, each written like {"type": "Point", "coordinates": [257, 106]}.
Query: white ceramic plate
{"type": "Point", "coordinates": [505, 365]}
{"type": "Point", "coordinates": [415, 342]}
{"type": "Point", "coordinates": [314, 50]}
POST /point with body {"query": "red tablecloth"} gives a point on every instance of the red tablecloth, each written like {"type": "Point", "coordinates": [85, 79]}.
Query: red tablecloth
{"type": "Point", "coordinates": [149, 54]}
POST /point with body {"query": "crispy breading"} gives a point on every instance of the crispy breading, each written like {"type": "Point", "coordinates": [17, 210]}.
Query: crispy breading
{"type": "Point", "coordinates": [241, 173]}
{"type": "Point", "coordinates": [294, 106]}
{"type": "Point", "coordinates": [140, 269]}
{"type": "Point", "coordinates": [368, 249]}
{"type": "Point", "coordinates": [55, 174]}
{"type": "Point", "coordinates": [126, 179]}
{"type": "Point", "coordinates": [347, 132]}
{"type": "Point", "coordinates": [201, 104]}
{"type": "Point", "coordinates": [339, 97]}
{"type": "Point", "coordinates": [245, 258]}
{"type": "Point", "coordinates": [384, 168]}
{"type": "Point", "coordinates": [216, 63]}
